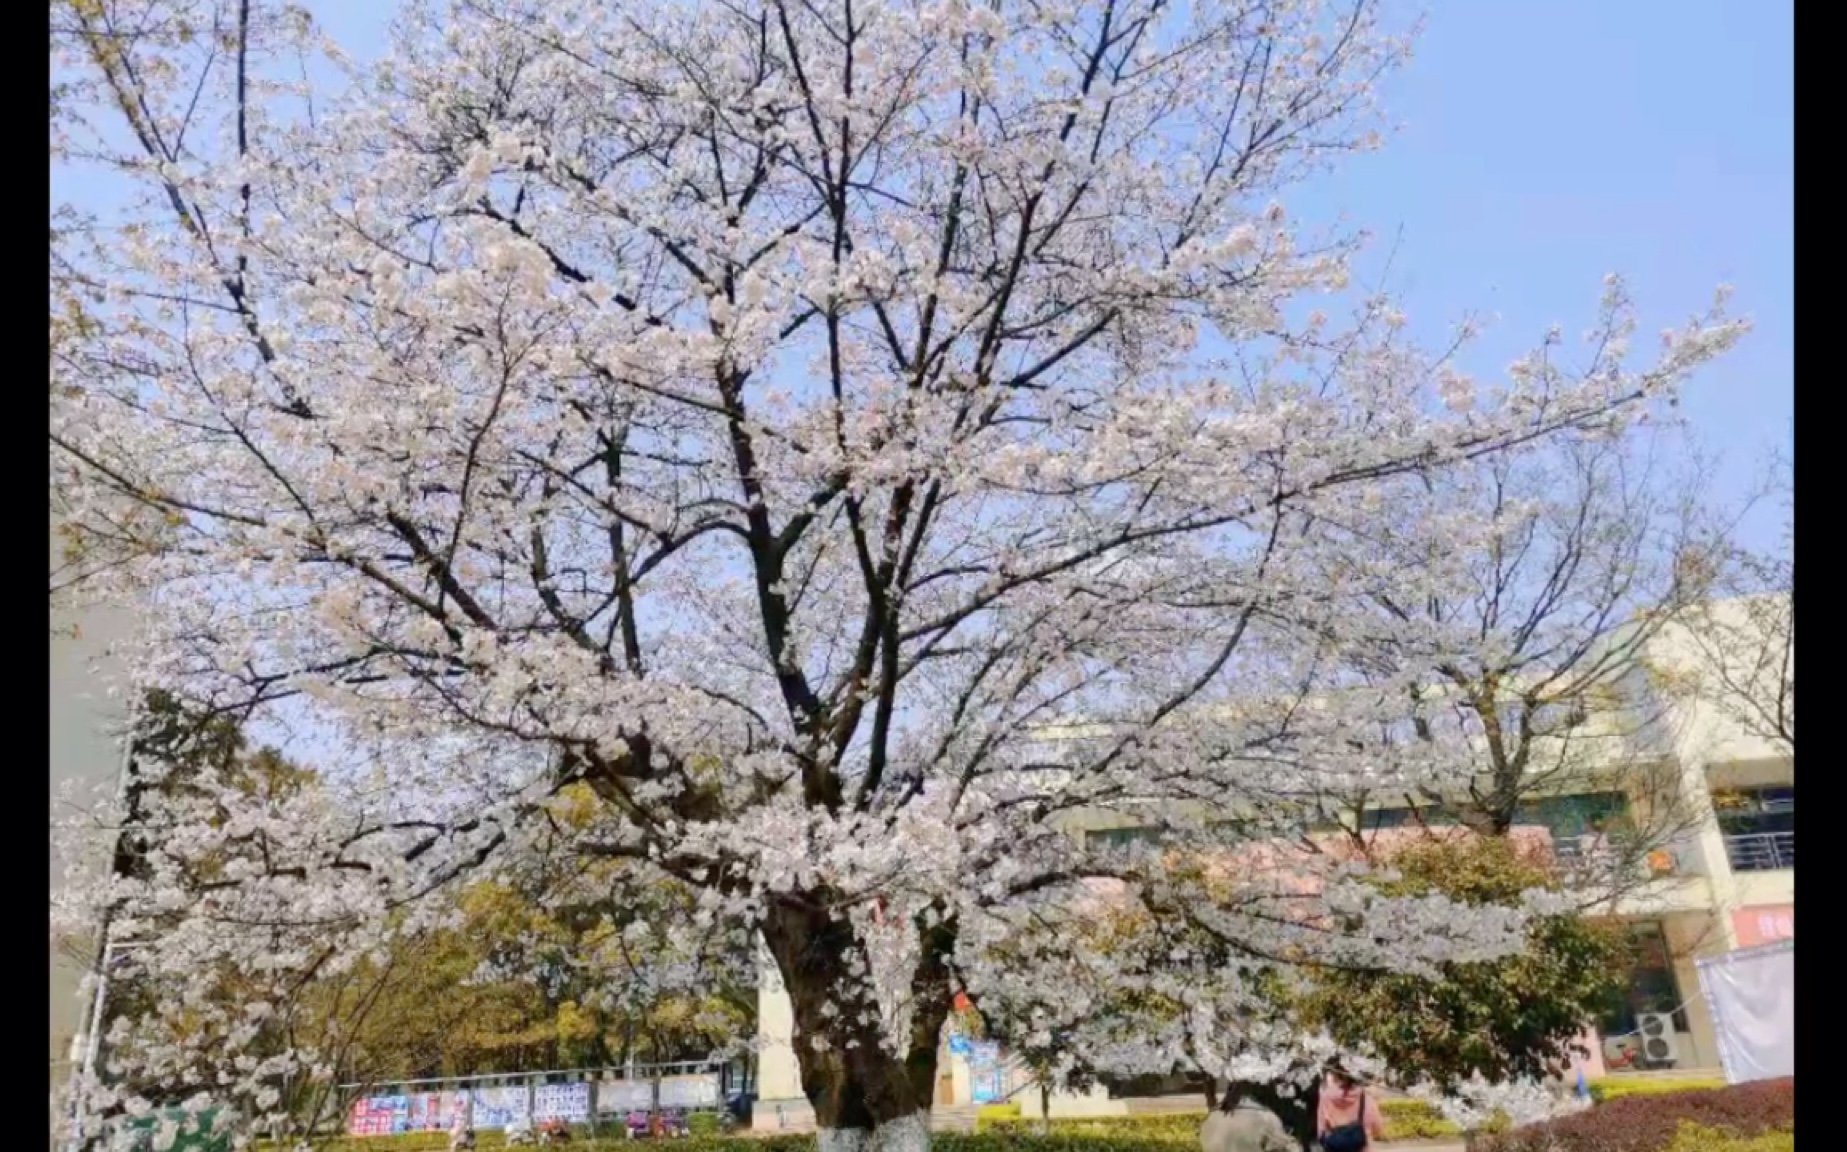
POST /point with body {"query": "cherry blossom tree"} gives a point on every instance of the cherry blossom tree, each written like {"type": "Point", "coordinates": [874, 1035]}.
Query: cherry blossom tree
{"type": "Point", "coordinates": [769, 418]}
{"type": "Point", "coordinates": [1541, 657]}
{"type": "Point", "coordinates": [1746, 643]}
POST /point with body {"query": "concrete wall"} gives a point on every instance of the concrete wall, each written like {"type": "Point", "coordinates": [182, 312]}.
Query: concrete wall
{"type": "Point", "coordinates": [1689, 938]}
{"type": "Point", "coordinates": [1687, 659]}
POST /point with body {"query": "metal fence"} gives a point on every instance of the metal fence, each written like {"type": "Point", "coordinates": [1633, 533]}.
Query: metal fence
{"type": "Point", "coordinates": [576, 1096]}
{"type": "Point", "coordinates": [1761, 851]}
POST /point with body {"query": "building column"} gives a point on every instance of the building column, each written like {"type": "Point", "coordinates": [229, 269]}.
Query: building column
{"type": "Point", "coordinates": [780, 1102]}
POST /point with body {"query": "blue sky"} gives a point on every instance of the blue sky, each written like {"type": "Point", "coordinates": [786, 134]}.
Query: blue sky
{"type": "Point", "coordinates": [1543, 143]}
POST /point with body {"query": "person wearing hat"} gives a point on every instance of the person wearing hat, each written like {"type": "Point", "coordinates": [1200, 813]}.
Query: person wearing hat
{"type": "Point", "coordinates": [1241, 1124]}
{"type": "Point", "coordinates": [1348, 1118]}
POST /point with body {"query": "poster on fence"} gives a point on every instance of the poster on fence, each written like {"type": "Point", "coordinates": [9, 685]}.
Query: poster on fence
{"type": "Point", "coordinates": [621, 1096]}
{"type": "Point", "coordinates": [395, 1115]}
{"type": "Point", "coordinates": [567, 1102]}
{"type": "Point", "coordinates": [362, 1119]}
{"type": "Point", "coordinates": [432, 1111]}
{"type": "Point", "coordinates": [499, 1107]}
{"type": "Point", "coordinates": [379, 1116]}
{"type": "Point", "coordinates": [690, 1091]}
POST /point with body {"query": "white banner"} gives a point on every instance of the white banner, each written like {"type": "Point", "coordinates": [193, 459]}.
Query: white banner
{"type": "Point", "coordinates": [1752, 996]}
{"type": "Point", "coordinates": [689, 1091]}
{"type": "Point", "coordinates": [624, 1096]}
{"type": "Point", "coordinates": [499, 1107]}
{"type": "Point", "coordinates": [567, 1102]}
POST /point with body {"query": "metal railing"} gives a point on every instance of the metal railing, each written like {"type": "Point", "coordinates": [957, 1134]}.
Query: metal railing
{"type": "Point", "coordinates": [1605, 854]}
{"type": "Point", "coordinates": [1586, 849]}
{"type": "Point", "coordinates": [1761, 851]}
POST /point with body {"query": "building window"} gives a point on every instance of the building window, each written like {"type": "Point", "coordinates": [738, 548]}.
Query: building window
{"type": "Point", "coordinates": [1565, 817]}
{"type": "Point", "coordinates": [1574, 817]}
{"type": "Point", "coordinates": [1759, 825]}
{"type": "Point", "coordinates": [1123, 837]}
{"type": "Point", "coordinates": [1381, 819]}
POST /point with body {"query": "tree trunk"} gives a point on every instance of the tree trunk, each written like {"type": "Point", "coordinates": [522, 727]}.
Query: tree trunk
{"type": "Point", "coordinates": [865, 1098]}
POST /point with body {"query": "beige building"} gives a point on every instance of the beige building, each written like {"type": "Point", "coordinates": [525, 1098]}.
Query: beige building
{"type": "Point", "coordinates": [1735, 867]}
{"type": "Point", "coordinates": [1724, 880]}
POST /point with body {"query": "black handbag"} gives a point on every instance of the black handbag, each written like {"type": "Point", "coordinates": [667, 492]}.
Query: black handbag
{"type": "Point", "coordinates": [1347, 1137]}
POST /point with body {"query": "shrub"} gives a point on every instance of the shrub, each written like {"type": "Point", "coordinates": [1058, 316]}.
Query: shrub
{"type": "Point", "coordinates": [1025, 1140]}
{"type": "Point", "coordinates": [1653, 1122]}
{"type": "Point", "coordinates": [1415, 1120]}
{"type": "Point", "coordinates": [1673, 1116]}
{"type": "Point", "coordinates": [1694, 1138]}
{"type": "Point", "coordinates": [1162, 1128]}
{"type": "Point", "coordinates": [1617, 1087]}
{"type": "Point", "coordinates": [1510, 1018]}
{"type": "Point", "coordinates": [491, 1141]}
{"type": "Point", "coordinates": [1404, 1120]}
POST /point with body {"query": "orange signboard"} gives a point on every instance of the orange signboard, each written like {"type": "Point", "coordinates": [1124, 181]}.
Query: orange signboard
{"type": "Point", "coordinates": [1764, 924]}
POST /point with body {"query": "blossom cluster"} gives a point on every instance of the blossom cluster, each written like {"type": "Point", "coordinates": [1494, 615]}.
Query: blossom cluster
{"type": "Point", "coordinates": [765, 421]}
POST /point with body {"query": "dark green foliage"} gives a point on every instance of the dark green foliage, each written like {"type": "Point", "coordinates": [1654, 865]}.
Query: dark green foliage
{"type": "Point", "coordinates": [1513, 1018]}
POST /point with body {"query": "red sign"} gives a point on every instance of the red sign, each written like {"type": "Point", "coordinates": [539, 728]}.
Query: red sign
{"type": "Point", "coordinates": [1764, 924]}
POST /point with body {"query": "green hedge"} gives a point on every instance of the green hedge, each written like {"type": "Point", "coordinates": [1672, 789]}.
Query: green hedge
{"type": "Point", "coordinates": [1416, 1120]}
{"type": "Point", "coordinates": [1690, 1138]}
{"type": "Point", "coordinates": [1619, 1087]}
{"type": "Point", "coordinates": [1694, 1138]}
{"type": "Point", "coordinates": [1058, 1141]}
{"type": "Point", "coordinates": [1404, 1120]}
{"type": "Point", "coordinates": [492, 1141]}
{"type": "Point", "coordinates": [1000, 1128]}
{"type": "Point", "coordinates": [1162, 1128]}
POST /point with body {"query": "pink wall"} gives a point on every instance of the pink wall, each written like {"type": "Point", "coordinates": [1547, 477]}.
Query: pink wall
{"type": "Point", "coordinates": [1764, 924]}
{"type": "Point", "coordinates": [1592, 1064]}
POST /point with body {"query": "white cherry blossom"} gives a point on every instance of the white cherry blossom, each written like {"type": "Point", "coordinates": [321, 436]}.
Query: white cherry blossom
{"type": "Point", "coordinates": [776, 419]}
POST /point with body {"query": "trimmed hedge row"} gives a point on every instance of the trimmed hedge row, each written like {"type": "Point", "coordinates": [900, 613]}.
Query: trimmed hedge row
{"type": "Point", "coordinates": [1657, 1122]}
{"type": "Point", "coordinates": [493, 1141]}
{"type": "Point", "coordinates": [1687, 1138]}
{"type": "Point", "coordinates": [1749, 1118]}
{"type": "Point", "coordinates": [1693, 1138]}
{"type": "Point", "coordinates": [1404, 1120]}
{"type": "Point", "coordinates": [1619, 1087]}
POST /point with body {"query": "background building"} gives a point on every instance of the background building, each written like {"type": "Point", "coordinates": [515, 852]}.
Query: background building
{"type": "Point", "coordinates": [87, 726]}
{"type": "Point", "coordinates": [1724, 880]}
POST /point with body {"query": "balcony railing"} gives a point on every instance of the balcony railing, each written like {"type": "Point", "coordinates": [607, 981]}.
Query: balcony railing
{"type": "Point", "coordinates": [1761, 851]}
{"type": "Point", "coordinates": [1603, 855]}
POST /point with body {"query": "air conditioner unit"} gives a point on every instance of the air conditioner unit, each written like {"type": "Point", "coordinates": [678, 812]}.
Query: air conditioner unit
{"type": "Point", "coordinates": [1655, 1030]}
